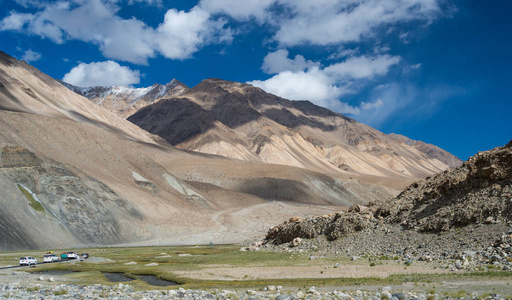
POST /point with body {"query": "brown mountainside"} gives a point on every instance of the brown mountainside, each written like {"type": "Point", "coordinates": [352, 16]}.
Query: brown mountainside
{"type": "Point", "coordinates": [241, 121]}
{"type": "Point", "coordinates": [73, 173]}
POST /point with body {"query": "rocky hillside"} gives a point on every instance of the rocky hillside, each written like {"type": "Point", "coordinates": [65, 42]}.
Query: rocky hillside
{"type": "Point", "coordinates": [125, 101]}
{"type": "Point", "coordinates": [478, 192]}
{"type": "Point", "coordinates": [241, 121]}
{"type": "Point", "coordinates": [73, 174]}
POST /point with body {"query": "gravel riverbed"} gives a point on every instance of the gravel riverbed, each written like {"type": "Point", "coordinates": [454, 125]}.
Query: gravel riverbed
{"type": "Point", "coordinates": [123, 291]}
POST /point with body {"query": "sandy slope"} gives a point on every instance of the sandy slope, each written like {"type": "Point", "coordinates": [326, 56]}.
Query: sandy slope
{"type": "Point", "coordinates": [102, 180]}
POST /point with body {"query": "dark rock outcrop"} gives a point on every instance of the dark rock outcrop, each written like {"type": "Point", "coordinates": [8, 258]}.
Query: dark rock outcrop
{"type": "Point", "coordinates": [15, 156]}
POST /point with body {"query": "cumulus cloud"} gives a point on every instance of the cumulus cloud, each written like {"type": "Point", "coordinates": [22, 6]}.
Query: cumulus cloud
{"type": "Point", "coordinates": [177, 37]}
{"type": "Point", "coordinates": [104, 73]}
{"type": "Point", "coordinates": [278, 61]}
{"type": "Point", "coordinates": [298, 79]}
{"type": "Point", "coordinates": [30, 56]}
{"type": "Point", "coordinates": [312, 85]}
{"type": "Point", "coordinates": [182, 32]}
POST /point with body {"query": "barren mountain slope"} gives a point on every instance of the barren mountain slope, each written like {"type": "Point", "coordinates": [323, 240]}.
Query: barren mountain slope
{"type": "Point", "coordinates": [125, 101]}
{"type": "Point", "coordinates": [98, 179]}
{"type": "Point", "coordinates": [24, 88]}
{"type": "Point", "coordinates": [244, 122]}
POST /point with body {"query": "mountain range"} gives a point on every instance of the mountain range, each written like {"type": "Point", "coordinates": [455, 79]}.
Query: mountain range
{"type": "Point", "coordinates": [240, 121]}
{"type": "Point", "coordinates": [219, 162]}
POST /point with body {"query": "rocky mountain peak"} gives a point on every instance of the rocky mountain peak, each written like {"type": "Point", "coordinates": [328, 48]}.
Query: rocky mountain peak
{"type": "Point", "coordinates": [124, 101]}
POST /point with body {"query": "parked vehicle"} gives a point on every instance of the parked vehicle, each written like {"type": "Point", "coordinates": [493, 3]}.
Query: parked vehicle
{"type": "Point", "coordinates": [85, 255]}
{"type": "Point", "coordinates": [28, 260]}
{"type": "Point", "coordinates": [48, 258]}
{"type": "Point", "coordinates": [72, 255]}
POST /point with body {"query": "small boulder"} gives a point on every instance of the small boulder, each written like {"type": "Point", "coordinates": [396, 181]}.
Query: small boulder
{"type": "Point", "coordinates": [399, 296]}
{"type": "Point", "coordinates": [357, 208]}
{"type": "Point", "coordinates": [459, 265]}
{"type": "Point", "coordinates": [295, 220]}
{"type": "Point", "coordinates": [296, 242]}
{"type": "Point", "coordinates": [426, 258]}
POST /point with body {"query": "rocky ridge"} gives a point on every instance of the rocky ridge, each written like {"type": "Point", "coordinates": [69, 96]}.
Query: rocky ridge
{"type": "Point", "coordinates": [125, 101]}
{"type": "Point", "coordinates": [244, 122]}
{"type": "Point", "coordinates": [461, 214]}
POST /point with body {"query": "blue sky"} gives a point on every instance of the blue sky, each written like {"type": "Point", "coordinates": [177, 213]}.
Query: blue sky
{"type": "Point", "coordinates": [434, 70]}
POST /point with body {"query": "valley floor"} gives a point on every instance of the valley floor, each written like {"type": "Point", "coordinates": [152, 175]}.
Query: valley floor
{"type": "Point", "coordinates": [223, 271]}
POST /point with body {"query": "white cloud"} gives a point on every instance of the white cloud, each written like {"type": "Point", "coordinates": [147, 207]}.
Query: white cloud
{"type": "Point", "coordinates": [379, 49]}
{"type": "Point", "coordinates": [411, 68]}
{"type": "Point", "coordinates": [179, 36]}
{"type": "Point", "coordinates": [239, 10]}
{"type": "Point", "coordinates": [363, 66]}
{"type": "Point", "coordinates": [342, 53]}
{"type": "Point", "coordinates": [405, 37]}
{"type": "Point", "coordinates": [30, 3]}
{"type": "Point", "coordinates": [323, 86]}
{"type": "Point", "coordinates": [30, 56]}
{"type": "Point", "coordinates": [329, 21]}
{"type": "Point", "coordinates": [278, 61]}
{"type": "Point", "coordinates": [149, 2]}
{"type": "Point", "coordinates": [181, 33]}
{"type": "Point", "coordinates": [311, 85]}
{"type": "Point", "coordinates": [372, 105]}
{"type": "Point", "coordinates": [104, 73]}
{"type": "Point", "coordinates": [15, 21]}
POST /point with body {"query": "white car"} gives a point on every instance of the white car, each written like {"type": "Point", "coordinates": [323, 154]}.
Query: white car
{"type": "Point", "coordinates": [72, 255]}
{"type": "Point", "coordinates": [28, 260]}
{"type": "Point", "coordinates": [48, 258]}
